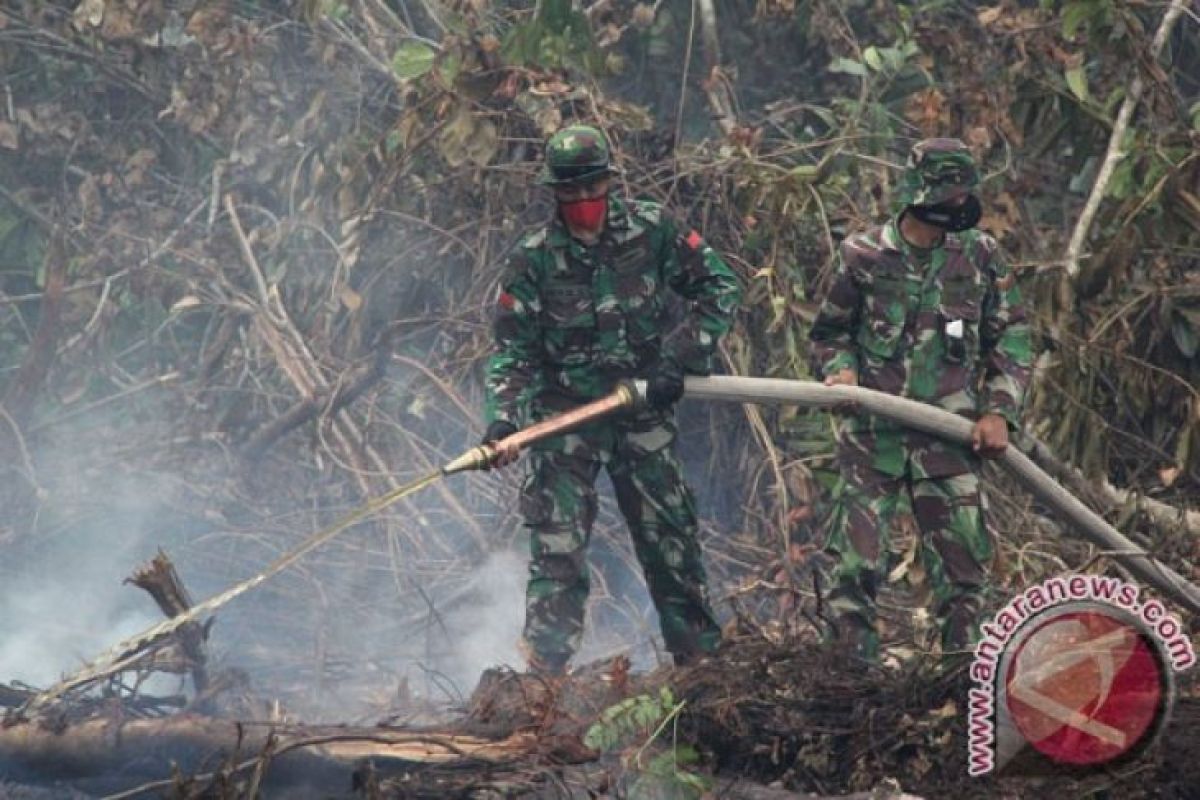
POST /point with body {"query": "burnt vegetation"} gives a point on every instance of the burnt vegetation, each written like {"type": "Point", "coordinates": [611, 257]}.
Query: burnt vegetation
{"type": "Point", "coordinates": [249, 251]}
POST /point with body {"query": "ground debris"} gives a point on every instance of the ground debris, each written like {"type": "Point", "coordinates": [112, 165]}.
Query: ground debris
{"type": "Point", "coordinates": [770, 719]}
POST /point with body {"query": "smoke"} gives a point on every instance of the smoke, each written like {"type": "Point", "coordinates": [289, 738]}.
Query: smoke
{"type": "Point", "coordinates": [61, 597]}
{"type": "Point", "coordinates": [333, 637]}
{"type": "Point", "coordinates": [487, 629]}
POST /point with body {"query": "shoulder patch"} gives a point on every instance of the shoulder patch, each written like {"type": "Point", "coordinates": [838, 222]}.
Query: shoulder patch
{"type": "Point", "coordinates": [694, 240]}
{"type": "Point", "coordinates": [647, 211]}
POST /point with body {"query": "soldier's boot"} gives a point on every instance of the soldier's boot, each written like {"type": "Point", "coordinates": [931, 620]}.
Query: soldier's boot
{"type": "Point", "coordinates": [700, 642]}
{"type": "Point", "coordinates": [959, 622]}
{"type": "Point", "coordinates": [699, 650]}
{"type": "Point", "coordinates": [550, 665]}
{"type": "Point", "coordinates": [857, 635]}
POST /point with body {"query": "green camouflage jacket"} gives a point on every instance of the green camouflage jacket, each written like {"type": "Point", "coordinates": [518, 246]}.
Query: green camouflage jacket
{"type": "Point", "coordinates": [572, 319]}
{"type": "Point", "coordinates": [946, 327]}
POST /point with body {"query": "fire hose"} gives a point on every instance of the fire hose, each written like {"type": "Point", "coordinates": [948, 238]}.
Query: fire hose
{"type": "Point", "coordinates": [627, 396]}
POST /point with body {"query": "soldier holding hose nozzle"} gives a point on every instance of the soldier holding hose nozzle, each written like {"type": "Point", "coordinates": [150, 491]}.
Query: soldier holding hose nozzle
{"type": "Point", "coordinates": [582, 307]}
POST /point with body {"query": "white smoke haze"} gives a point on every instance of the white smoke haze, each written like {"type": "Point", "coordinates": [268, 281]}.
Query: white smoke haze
{"type": "Point", "coordinates": [331, 638]}
{"type": "Point", "coordinates": [487, 630]}
{"type": "Point", "coordinates": [61, 596]}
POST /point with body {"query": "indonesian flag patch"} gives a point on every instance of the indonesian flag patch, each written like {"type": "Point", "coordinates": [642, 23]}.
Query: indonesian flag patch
{"type": "Point", "coordinates": [507, 301]}
{"type": "Point", "coordinates": [694, 240]}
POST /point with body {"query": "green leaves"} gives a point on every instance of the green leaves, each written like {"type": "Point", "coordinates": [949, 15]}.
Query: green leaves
{"type": "Point", "coordinates": [558, 36]}
{"type": "Point", "coordinates": [1077, 82]}
{"type": "Point", "coordinates": [628, 718]}
{"type": "Point", "coordinates": [1085, 14]}
{"type": "Point", "coordinates": [644, 717]}
{"type": "Point", "coordinates": [887, 61]}
{"type": "Point", "coordinates": [413, 59]}
{"type": "Point", "coordinates": [848, 66]}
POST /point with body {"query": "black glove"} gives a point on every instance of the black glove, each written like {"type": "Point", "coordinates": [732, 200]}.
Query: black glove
{"type": "Point", "coordinates": [664, 385]}
{"type": "Point", "coordinates": [500, 429]}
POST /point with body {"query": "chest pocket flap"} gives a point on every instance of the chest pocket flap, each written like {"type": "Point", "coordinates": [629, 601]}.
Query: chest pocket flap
{"type": "Point", "coordinates": [568, 323]}
{"type": "Point", "coordinates": [885, 309]}
{"type": "Point", "coordinates": [962, 296]}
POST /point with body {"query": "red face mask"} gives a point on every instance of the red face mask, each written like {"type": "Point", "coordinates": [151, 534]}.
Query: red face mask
{"type": "Point", "coordinates": [586, 215]}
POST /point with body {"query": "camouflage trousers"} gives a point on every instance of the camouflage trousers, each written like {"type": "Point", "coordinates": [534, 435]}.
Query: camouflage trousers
{"type": "Point", "coordinates": [559, 505]}
{"type": "Point", "coordinates": [954, 548]}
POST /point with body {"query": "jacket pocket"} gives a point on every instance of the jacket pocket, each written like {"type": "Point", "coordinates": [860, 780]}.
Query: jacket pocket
{"type": "Point", "coordinates": [879, 338]}
{"type": "Point", "coordinates": [568, 324]}
{"type": "Point", "coordinates": [885, 310]}
{"type": "Point", "coordinates": [959, 315]}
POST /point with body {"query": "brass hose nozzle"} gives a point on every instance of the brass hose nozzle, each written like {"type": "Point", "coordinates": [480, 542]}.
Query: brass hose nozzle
{"type": "Point", "coordinates": [628, 395]}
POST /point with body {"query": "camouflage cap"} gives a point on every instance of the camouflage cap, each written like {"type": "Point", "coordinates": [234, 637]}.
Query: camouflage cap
{"type": "Point", "coordinates": [937, 170]}
{"type": "Point", "coordinates": [576, 154]}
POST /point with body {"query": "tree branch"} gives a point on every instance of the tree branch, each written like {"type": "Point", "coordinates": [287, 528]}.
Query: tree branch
{"type": "Point", "coordinates": [1114, 154]}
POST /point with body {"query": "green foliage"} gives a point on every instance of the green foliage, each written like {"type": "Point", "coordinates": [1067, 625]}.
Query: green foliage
{"type": "Point", "coordinates": [1077, 83]}
{"type": "Point", "coordinates": [1086, 16]}
{"type": "Point", "coordinates": [642, 719]}
{"type": "Point", "coordinates": [413, 59]}
{"type": "Point", "coordinates": [891, 73]}
{"type": "Point", "coordinates": [558, 36]}
{"type": "Point", "coordinates": [632, 717]}
{"type": "Point", "coordinates": [662, 778]}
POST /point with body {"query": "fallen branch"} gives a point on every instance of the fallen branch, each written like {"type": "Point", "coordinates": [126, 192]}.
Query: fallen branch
{"type": "Point", "coordinates": [1107, 497]}
{"type": "Point", "coordinates": [96, 746]}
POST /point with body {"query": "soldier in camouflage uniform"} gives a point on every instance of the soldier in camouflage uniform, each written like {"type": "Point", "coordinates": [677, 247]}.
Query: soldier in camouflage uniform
{"type": "Point", "coordinates": [582, 306]}
{"type": "Point", "coordinates": [925, 308]}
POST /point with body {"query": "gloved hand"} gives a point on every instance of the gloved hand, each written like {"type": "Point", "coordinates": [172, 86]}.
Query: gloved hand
{"type": "Point", "coordinates": [664, 385]}
{"type": "Point", "coordinates": [501, 429]}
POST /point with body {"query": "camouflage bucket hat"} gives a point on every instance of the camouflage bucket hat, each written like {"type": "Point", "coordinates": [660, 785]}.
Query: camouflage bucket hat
{"type": "Point", "coordinates": [576, 154]}
{"type": "Point", "coordinates": [937, 170]}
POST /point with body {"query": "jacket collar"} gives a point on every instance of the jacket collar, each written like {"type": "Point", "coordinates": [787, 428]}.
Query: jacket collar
{"type": "Point", "coordinates": [890, 239]}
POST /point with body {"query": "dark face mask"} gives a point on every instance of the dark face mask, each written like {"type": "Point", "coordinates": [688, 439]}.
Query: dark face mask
{"type": "Point", "coordinates": [954, 218]}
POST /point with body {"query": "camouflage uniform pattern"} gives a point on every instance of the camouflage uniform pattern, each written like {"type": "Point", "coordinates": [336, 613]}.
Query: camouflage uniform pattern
{"type": "Point", "coordinates": [571, 321]}
{"type": "Point", "coordinates": [944, 326]}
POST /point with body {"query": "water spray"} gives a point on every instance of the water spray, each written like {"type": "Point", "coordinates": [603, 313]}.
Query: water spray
{"type": "Point", "coordinates": [627, 397]}
{"type": "Point", "coordinates": [127, 653]}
